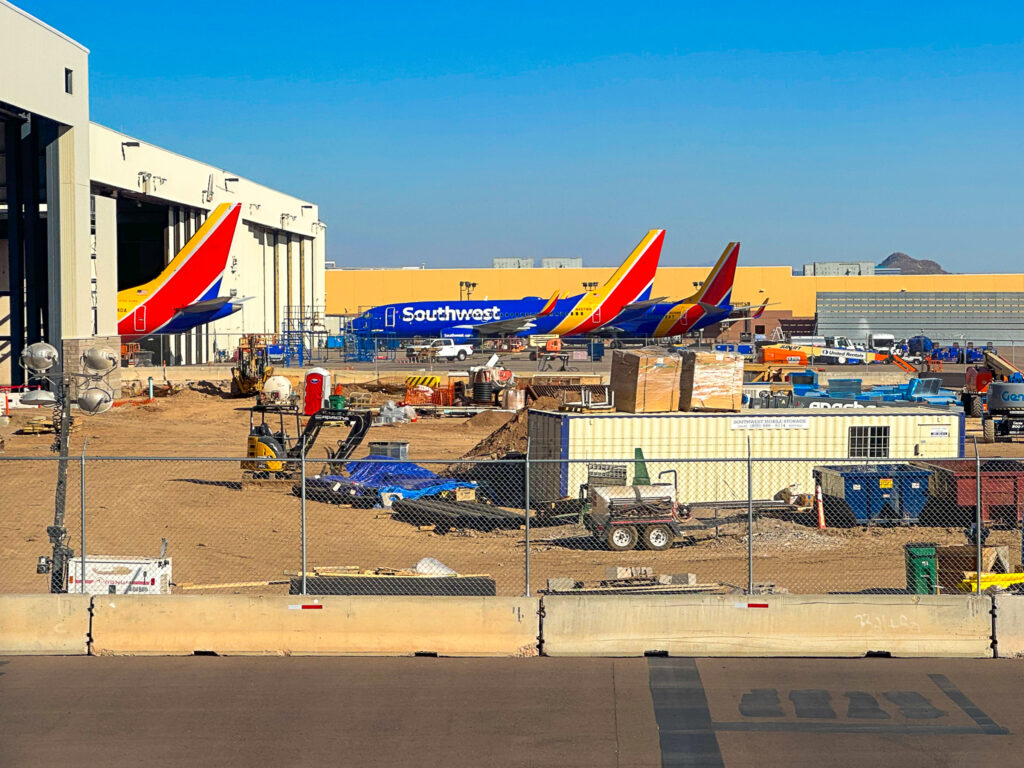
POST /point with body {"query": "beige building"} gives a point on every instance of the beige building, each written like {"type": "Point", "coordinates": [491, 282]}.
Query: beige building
{"type": "Point", "coordinates": [86, 211]}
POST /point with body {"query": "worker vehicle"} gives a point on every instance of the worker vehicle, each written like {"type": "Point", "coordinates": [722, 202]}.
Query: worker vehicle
{"type": "Point", "coordinates": [440, 349]}
{"type": "Point", "coordinates": [272, 453]}
{"type": "Point", "coordinates": [995, 393]}
{"type": "Point", "coordinates": [252, 368]}
{"type": "Point", "coordinates": [883, 343]}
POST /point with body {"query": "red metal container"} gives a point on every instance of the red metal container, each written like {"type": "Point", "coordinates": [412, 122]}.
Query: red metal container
{"type": "Point", "coordinates": [953, 489]}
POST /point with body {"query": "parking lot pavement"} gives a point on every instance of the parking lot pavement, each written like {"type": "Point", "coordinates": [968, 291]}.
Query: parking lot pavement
{"type": "Point", "coordinates": [364, 712]}
{"type": "Point", "coordinates": [837, 712]}
{"type": "Point", "coordinates": [509, 712]}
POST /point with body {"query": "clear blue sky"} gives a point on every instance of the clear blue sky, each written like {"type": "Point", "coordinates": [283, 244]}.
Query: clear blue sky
{"type": "Point", "coordinates": [448, 133]}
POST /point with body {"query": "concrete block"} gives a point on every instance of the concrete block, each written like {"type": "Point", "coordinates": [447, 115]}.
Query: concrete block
{"type": "Point", "coordinates": [1009, 626]}
{"type": "Point", "coordinates": [768, 625]}
{"type": "Point", "coordinates": [296, 625]}
{"type": "Point", "coordinates": [44, 625]}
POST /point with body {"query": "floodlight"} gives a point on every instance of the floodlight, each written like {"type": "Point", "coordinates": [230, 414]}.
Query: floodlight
{"type": "Point", "coordinates": [39, 357]}
{"type": "Point", "coordinates": [99, 360]}
{"type": "Point", "coordinates": [94, 400]}
{"type": "Point", "coordinates": [38, 397]}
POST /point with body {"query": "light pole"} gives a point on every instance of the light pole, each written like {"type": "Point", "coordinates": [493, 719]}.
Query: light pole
{"type": "Point", "coordinates": [95, 396]}
{"type": "Point", "coordinates": [467, 286]}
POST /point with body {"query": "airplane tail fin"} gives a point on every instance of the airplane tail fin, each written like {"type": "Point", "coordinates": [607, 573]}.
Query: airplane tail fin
{"type": "Point", "coordinates": [200, 265]}
{"type": "Point", "coordinates": [717, 288]}
{"type": "Point", "coordinates": [633, 280]}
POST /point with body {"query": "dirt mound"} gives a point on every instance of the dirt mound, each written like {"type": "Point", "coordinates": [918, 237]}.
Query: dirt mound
{"type": "Point", "coordinates": [511, 436]}
{"type": "Point", "coordinates": [488, 419]}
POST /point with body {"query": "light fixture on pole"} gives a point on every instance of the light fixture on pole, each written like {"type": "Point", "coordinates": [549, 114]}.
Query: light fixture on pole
{"type": "Point", "coordinates": [95, 395]}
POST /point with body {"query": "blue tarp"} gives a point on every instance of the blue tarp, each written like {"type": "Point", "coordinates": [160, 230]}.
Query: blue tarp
{"type": "Point", "coordinates": [386, 476]}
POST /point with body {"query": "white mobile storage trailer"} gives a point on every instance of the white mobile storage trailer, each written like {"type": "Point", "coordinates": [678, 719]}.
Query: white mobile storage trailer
{"type": "Point", "coordinates": [708, 451]}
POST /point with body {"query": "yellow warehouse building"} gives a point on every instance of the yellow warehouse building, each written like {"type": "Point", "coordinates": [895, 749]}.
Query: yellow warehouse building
{"type": "Point", "coordinates": [350, 291]}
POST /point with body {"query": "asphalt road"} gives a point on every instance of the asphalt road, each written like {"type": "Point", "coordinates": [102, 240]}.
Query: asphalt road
{"type": "Point", "coordinates": [882, 713]}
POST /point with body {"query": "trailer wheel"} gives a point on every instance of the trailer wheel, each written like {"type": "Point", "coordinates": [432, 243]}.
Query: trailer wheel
{"type": "Point", "coordinates": [988, 431]}
{"type": "Point", "coordinates": [976, 407]}
{"type": "Point", "coordinates": [658, 537]}
{"type": "Point", "coordinates": [622, 538]}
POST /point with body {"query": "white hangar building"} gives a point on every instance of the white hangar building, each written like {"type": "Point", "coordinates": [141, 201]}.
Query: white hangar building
{"type": "Point", "coordinates": [86, 211]}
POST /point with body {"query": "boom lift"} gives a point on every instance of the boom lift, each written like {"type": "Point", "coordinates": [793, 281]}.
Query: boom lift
{"type": "Point", "coordinates": [274, 454]}
{"type": "Point", "coordinates": [995, 393]}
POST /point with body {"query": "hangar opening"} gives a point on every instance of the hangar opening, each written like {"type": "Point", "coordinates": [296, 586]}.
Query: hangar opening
{"type": "Point", "coordinates": [28, 152]}
{"type": "Point", "coordinates": [141, 241]}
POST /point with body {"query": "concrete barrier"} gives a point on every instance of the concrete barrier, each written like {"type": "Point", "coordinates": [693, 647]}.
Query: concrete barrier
{"type": "Point", "coordinates": [1009, 626]}
{"type": "Point", "coordinates": [294, 625]}
{"type": "Point", "coordinates": [44, 625]}
{"type": "Point", "coordinates": [773, 625]}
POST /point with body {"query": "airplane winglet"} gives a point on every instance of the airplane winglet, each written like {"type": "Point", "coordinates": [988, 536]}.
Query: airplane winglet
{"type": "Point", "coordinates": [760, 310]}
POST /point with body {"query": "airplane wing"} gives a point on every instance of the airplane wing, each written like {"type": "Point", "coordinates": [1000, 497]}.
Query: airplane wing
{"type": "Point", "coordinates": [757, 314]}
{"type": "Point", "coordinates": [514, 324]}
{"type": "Point", "coordinates": [635, 309]}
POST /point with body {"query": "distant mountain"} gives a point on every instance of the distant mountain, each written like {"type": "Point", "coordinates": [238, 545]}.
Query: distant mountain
{"type": "Point", "coordinates": [911, 266]}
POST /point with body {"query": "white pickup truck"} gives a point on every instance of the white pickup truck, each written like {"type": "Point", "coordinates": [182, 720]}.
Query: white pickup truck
{"type": "Point", "coordinates": [441, 349]}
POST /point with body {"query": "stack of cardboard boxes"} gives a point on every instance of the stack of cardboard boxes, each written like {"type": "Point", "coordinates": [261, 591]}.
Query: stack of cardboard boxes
{"type": "Point", "coordinates": [654, 380]}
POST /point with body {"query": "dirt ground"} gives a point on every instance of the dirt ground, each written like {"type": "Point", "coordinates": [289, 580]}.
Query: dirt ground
{"type": "Point", "coordinates": [220, 534]}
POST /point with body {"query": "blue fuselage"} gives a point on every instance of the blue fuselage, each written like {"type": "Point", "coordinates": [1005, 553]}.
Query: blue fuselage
{"type": "Point", "coordinates": [458, 318]}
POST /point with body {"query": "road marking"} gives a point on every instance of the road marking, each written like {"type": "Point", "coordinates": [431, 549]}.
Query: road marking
{"type": "Point", "coordinates": [681, 711]}
{"type": "Point", "coordinates": [972, 710]}
{"type": "Point", "coordinates": [814, 703]}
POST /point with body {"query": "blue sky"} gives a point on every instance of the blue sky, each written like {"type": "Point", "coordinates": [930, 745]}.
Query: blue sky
{"type": "Point", "coordinates": [448, 133]}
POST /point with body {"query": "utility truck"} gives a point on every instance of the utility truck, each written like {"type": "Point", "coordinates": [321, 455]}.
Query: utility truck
{"type": "Point", "coordinates": [440, 349]}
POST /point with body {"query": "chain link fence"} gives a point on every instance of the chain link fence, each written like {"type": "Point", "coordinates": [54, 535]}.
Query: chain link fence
{"type": "Point", "coordinates": [512, 526]}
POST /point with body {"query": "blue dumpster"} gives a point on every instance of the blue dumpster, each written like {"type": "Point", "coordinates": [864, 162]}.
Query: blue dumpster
{"type": "Point", "coordinates": [864, 493]}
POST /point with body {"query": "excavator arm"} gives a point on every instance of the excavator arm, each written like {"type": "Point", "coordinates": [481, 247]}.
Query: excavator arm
{"type": "Point", "coordinates": [358, 421]}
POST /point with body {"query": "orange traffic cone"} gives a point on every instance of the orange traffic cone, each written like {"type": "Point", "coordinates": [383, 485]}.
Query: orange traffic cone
{"type": "Point", "coordinates": [821, 507]}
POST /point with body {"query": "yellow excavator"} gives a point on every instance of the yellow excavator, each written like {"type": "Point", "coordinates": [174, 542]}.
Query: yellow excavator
{"type": "Point", "coordinates": [273, 453]}
{"type": "Point", "coordinates": [252, 368]}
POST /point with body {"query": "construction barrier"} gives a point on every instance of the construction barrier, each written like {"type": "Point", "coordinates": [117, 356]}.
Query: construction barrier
{"type": "Point", "coordinates": [771, 625]}
{"type": "Point", "coordinates": [304, 625]}
{"type": "Point", "coordinates": [44, 625]}
{"type": "Point", "coordinates": [1009, 624]}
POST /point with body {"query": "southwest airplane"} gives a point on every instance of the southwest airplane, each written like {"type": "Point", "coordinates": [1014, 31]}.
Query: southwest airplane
{"type": "Point", "coordinates": [571, 316]}
{"type": "Point", "coordinates": [184, 294]}
{"type": "Point", "coordinates": [708, 306]}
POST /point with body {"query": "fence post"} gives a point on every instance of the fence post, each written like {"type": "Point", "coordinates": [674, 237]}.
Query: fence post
{"type": "Point", "coordinates": [302, 461]}
{"type": "Point", "coordinates": [977, 514]}
{"type": "Point", "coordinates": [526, 510]}
{"type": "Point", "coordinates": [81, 579]}
{"type": "Point", "coordinates": [750, 521]}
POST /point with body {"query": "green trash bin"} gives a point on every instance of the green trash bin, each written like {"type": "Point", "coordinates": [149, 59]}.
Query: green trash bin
{"type": "Point", "coordinates": [337, 402]}
{"type": "Point", "coordinates": [922, 574]}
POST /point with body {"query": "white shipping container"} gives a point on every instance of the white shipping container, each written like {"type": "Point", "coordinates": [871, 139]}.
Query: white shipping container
{"type": "Point", "coordinates": [565, 443]}
{"type": "Point", "coordinates": [111, 575]}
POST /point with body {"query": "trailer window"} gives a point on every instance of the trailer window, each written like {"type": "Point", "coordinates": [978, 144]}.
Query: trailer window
{"type": "Point", "coordinates": [869, 442]}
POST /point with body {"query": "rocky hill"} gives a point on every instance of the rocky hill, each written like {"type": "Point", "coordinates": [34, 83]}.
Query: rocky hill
{"type": "Point", "coordinates": [908, 265]}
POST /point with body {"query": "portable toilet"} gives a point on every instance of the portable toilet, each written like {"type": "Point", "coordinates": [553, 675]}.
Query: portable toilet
{"type": "Point", "coordinates": [316, 391]}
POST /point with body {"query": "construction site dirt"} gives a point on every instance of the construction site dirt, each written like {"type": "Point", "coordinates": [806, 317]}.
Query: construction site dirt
{"type": "Point", "coordinates": [222, 537]}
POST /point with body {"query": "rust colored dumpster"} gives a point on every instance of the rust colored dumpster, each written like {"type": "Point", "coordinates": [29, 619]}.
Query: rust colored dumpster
{"type": "Point", "coordinates": [952, 492]}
